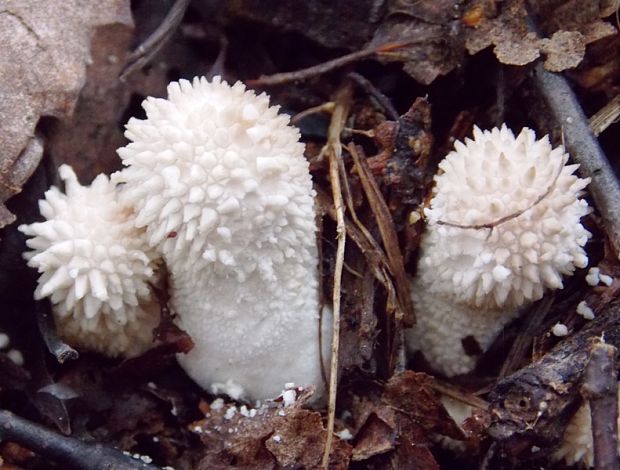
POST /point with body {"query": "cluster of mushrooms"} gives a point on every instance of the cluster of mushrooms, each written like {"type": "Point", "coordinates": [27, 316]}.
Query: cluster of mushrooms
{"type": "Point", "coordinates": [216, 189]}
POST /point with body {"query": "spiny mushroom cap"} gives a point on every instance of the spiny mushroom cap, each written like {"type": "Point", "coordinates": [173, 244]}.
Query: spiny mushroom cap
{"type": "Point", "coordinates": [503, 223]}
{"type": "Point", "coordinates": [220, 183]}
{"type": "Point", "coordinates": [577, 446]}
{"type": "Point", "coordinates": [450, 335]}
{"type": "Point", "coordinates": [95, 267]}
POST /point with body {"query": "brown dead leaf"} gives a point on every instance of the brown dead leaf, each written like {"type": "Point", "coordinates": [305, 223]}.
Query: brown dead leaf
{"type": "Point", "coordinates": [429, 26]}
{"type": "Point", "coordinates": [272, 436]}
{"type": "Point", "coordinates": [411, 393]}
{"type": "Point", "coordinates": [393, 422]}
{"type": "Point", "coordinates": [515, 44]}
{"type": "Point", "coordinates": [376, 437]}
{"type": "Point", "coordinates": [45, 50]}
{"type": "Point", "coordinates": [564, 50]}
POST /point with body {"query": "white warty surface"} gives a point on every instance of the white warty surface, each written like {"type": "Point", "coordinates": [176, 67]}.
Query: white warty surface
{"type": "Point", "coordinates": [219, 182]}
{"type": "Point", "coordinates": [95, 267]}
{"type": "Point", "coordinates": [502, 227]}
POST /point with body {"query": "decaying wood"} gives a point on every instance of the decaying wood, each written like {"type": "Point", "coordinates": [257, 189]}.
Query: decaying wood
{"type": "Point", "coordinates": [533, 405]}
{"type": "Point", "coordinates": [600, 388]}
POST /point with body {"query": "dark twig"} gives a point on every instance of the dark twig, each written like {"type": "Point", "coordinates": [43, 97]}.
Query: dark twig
{"type": "Point", "coordinates": [64, 450]}
{"type": "Point", "coordinates": [600, 388]}
{"type": "Point", "coordinates": [55, 345]}
{"type": "Point", "coordinates": [582, 144]}
{"type": "Point", "coordinates": [143, 54]}
{"type": "Point", "coordinates": [372, 90]}
{"type": "Point", "coordinates": [535, 403]}
{"type": "Point", "coordinates": [303, 74]}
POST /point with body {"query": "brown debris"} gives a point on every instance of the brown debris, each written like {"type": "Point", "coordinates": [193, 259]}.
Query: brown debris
{"type": "Point", "coordinates": [515, 44]}
{"type": "Point", "coordinates": [45, 54]}
{"type": "Point", "coordinates": [272, 436]}
{"type": "Point", "coordinates": [533, 405]}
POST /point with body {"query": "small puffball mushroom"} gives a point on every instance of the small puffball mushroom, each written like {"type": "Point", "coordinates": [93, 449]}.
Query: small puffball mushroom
{"type": "Point", "coordinates": [219, 181]}
{"type": "Point", "coordinates": [95, 267]}
{"type": "Point", "coordinates": [577, 446]}
{"type": "Point", "coordinates": [502, 227]}
{"type": "Point", "coordinates": [503, 224]}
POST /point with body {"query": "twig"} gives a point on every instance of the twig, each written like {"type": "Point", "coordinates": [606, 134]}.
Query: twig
{"type": "Point", "coordinates": [303, 74]}
{"type": "Point", "coordinates": [55, 345]}
{"type": "Point", "coordinates": [342, 99]}
{"type": "Point", "coordinates": [372, 90]}
{"type": "Point", "coordinates": [506, 218]}
{"type": "Point", "coordinates": [153, 44]}
{"type": "Point", "coordinates": [322, 108]}
{"type": "Point", "coordinates": [534, 404]}
{"type": "Point", "coordinates": [600, 388]}
{"type": "Point", "coordinates": [388, 233]}
{"type": "Point", "coordinates": [582, 144]}
{"type": "Point", "coordinates": [584, 148]}
{"type": "Point", "coordinates": [375, 258]}
{"type": "Point", "coordinates": [64, 450]}
{"type": "Point", "coordinates": [605, 116]}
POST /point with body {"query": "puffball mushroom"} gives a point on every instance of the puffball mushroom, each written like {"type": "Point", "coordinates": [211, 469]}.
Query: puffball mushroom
{"type": "Point", "coordinates": [95, 267]}
{"type": "Point", "coordinates": [218, 180]}
{"type": "Point", "coordinates": [502, 226]}
{"type": "Point", "coordinates": [577, 446]}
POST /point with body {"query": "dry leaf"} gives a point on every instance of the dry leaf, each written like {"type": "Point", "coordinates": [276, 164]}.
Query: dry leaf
{"type": "Point", "coordinates": [45, 51]}
{"type": "Point", "coordinates": [564, 50]}
{"type": "Point", "coordinates": [430, 27]}
{"type": "Point", "coordinates": [272, 436]}
{"type": "Point", "coordinates": [514, 44]}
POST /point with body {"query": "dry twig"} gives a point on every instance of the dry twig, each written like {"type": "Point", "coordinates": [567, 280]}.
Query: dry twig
{"type": "Point", "coordinates": [143, 54]}
{"type": "Point", "coordinates": [304, 74]}
{"type": "Point", "coordinates": [606, 116]}
{"type": "Point", "coordinates": [600, 388]}
{"type": "Point", "coordinates": [342, 99]}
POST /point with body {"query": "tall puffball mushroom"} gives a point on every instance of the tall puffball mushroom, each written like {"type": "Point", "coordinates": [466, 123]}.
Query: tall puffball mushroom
{"type": "Point", "coordinates": [95, 266]}
{"type": "Point", "coordinates": [502, 226]}
{"type": "Point", "coordinates": [219, 181]}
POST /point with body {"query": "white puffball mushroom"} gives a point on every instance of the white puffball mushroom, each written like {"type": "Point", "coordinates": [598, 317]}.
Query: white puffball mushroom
{"type": "Point", "coordinates": [219, 181]}
{"type": "Point", "coordinates": [577, 444]}
{"type": "Point", "coordinates": [523, 191]}
{"type": "Point", "coordinates": [503, 226]}
{"type": "Point", "coordinates": [95, 267]}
